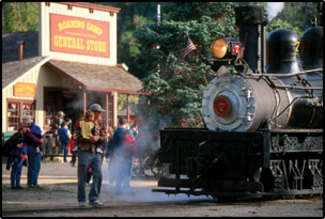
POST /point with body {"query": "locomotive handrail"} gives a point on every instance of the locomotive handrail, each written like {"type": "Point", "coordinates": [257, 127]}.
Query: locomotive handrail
{"type": "Point", "coordinates": [298, 87]}
{"type": "Point", "coordinates": [290, 74]}
{"type": "Point", "coordinates": [276, 130]}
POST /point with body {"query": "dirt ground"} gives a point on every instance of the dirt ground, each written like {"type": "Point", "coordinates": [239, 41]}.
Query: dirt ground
{"type": "Point", "coordinates": [58, 197]}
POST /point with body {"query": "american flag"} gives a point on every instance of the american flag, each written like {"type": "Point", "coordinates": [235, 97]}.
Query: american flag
{"type": "Point", "coordinates": [189, 48]}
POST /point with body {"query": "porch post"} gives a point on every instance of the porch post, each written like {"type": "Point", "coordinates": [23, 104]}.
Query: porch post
{"type": "Point", "coordinates": [106, 108]}
{"type": "Point", "coordinates": [84, 101]}
{"type": "Point", "coordinates": [114, 109]}
{"type": "Point", "coordinates": [128, 108]}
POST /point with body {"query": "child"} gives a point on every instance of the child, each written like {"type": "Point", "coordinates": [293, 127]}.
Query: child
{"type": "Point", "coordinates": [15, 160]}
{"type": "Point", "coordinates": [73, 149]}
{"type": "Point", "coordinates": [87, 125]}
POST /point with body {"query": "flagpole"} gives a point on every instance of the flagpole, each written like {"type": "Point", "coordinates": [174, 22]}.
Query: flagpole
{"type": "Point", "coordinates": [204, 59]}
{"type": "Point", "coordinates": [158, 15]}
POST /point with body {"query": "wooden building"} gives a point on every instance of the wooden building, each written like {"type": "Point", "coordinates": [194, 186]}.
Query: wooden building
{"type": "Point", "coordinates": [69, 64]}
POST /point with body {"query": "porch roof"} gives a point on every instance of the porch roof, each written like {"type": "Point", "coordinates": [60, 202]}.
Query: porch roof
{"type": "Point", "coordinates": [11, 71]}
{"type": "Point", "coordinates": [98, 77]}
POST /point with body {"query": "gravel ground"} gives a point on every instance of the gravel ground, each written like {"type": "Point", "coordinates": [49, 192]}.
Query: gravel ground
{"type": "Point", "coordinates": [58, 197]}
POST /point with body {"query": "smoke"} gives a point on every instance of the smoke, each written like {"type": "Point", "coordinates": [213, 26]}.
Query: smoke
{"type": "Point", "coordinates": [148, 144]}
{"type": "Point", "coordinates": [273, 8]}
{"type": "Point", "coordinates": [141, 190]}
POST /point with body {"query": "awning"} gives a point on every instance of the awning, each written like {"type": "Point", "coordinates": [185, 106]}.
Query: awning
{"type": "Point", "coordinates": [98, 77]}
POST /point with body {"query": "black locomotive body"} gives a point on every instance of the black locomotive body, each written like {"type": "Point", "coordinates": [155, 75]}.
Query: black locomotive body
{"type": "Point", "coordinates": [264, 132]}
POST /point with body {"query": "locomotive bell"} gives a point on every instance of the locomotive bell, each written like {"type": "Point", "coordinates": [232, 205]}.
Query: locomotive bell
{"type": "Point", "coordinates": [282, 47]}
{"type": "Point", "coordinates": [311, 49]}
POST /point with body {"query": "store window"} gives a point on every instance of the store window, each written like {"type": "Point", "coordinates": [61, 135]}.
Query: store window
{"type": "Point", "coordinates": [16, 109]}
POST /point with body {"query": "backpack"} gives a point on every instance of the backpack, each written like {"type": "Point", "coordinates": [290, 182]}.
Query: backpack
{"type": "Point", "coordinates": [9, 145]}
{"type": "Point", "coordinates": [128, 145]}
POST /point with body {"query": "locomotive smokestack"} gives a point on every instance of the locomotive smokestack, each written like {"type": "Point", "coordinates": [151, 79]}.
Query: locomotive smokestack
{"type": "Point", "coordinates": [250, 21]}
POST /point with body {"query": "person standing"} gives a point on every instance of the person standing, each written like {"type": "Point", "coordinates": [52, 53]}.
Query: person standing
{"type": "Point", "coordinates": [15, 159]}
{"type": "Point", "coordinates": [109, 152]}
{"type": "Point", "coordinates": [64, 136]}
{"type": "Point", "coordinates": [75, 128]}
{"type": "Point", "coordinates": [73, 149]}
{"type": "Point", "coordinates": [33, 139]}
{"type": "Point", "coordinates": [60, 119]}
{"type": "Point", "coordinates": [58, 123]}
{"type": "Point", "coordinates": [90, 156]}
{"type": "Point", "coordinates": [124, 148]}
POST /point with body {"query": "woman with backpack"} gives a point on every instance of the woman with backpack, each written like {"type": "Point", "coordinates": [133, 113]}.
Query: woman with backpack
{"type": "Point", "coordinates": [16, 149]}
{"type": "Point", "coordinates": [124, 148]}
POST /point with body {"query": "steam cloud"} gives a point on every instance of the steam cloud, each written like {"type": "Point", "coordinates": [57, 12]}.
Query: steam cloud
{"type": "Point", "coordinates": [148, 144]}
{"type": "Point", "coordinates": [273, 8]}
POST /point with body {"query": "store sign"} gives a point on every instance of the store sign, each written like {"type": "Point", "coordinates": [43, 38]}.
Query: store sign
{"type": "Point", "coordinates": [24, 89]}
{"type": "Point", "coordinates": [79, 36]}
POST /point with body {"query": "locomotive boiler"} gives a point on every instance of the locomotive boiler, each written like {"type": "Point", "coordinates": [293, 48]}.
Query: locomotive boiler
{"type": "Point", "coordinates": [264, 120]}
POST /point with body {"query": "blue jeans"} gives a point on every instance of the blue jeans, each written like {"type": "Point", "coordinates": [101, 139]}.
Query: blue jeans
{"type": "Point", "coordinates": [86, 160]}
{"type": "Point", "coordinates": [64, 150]}
{"type": "Point", "coordinates": [16, 173]}
{"type": "Point", "coordinates": [34, 166]}
{"type": "Point", "coordinates": [123, 173]}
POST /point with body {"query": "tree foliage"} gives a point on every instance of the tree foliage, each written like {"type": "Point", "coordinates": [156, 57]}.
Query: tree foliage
{"type": "Point", "coordinates": [19, 16]}
{"type": "Point", "coordinates": [297, 16]}
{"type": "Point", "coordinates": [175, 86]}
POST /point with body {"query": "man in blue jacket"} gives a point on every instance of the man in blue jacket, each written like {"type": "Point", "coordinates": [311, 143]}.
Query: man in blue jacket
{"type": "Point", "coordinates": [64, 136]}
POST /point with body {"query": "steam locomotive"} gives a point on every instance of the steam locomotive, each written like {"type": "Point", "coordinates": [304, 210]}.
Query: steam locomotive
{"type": "Point", "coordinates": [264, 128]}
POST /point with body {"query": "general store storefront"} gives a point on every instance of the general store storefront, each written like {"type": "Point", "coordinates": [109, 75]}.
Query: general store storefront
{"type": "Point", "coordinates": [75, 66]}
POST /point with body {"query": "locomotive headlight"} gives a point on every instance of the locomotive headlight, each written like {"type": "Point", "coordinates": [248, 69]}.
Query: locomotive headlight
{"type": "Point", "coordinates": [225, 48]}
{"type": "Point", "coordinates": [219, 48]}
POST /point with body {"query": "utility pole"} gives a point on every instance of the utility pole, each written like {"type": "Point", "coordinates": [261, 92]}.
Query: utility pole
{"type": "Point", "coordinates": [158, 24]}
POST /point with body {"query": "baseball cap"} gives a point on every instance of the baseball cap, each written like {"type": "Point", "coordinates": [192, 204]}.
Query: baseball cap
{"type": "Point", "coordinates": [61, 113]}
{"type": "Point", "coordinates": [96, 107]}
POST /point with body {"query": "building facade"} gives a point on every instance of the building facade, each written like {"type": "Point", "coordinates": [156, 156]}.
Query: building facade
{"type": "Point", "coordinates": [69, 64]}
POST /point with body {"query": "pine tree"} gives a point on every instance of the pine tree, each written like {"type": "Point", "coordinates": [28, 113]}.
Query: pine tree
{"type": "Point", "coordinates": [175, 86]}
